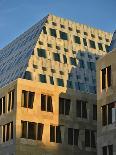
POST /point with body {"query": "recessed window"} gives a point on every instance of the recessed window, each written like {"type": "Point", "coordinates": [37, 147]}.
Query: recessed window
{"type": "Point", "coordinates": [89, 56]}
{"type": "Point", "coordinates": [2, 105]}
{"type": "Point", "coordinates": [49, 45]}
{"type": "Point", "coordinates": [27, 99]}
{"type": "Point", "coordinates": [78, 31]}
{"type": "Point", "coordinates": [55, 134]}
{"type": "Point", "coordinates": [56, 57]}
{"type": "Point", "coordinates": [35, 66]}
{"type": "Point", "coordinates": [46, 103]}
{"type": "Point", "coordinates": [53, 32]}
{"type": "Point", "coordinates": [42, 78]}
{"type": "Point", "coordinates": [80, 86]}
{"type": "Point", "coordinates": [85, 33]}
{"type": "Point", "coordinates": [40, 42]}
{"type": "Point", "coordinates": [82, 54]}
{"type": "Point", "coordinates": [58, 47]}
{"type": "Point", "coordinates": [90, 140]}
{"type": "Point", "coordinates": [107, 150]}
{"type": "Point", "coordinates": [100, 38]}
{"type": "Point", "coordinates": [107, 40]}
{"type": "Point", "coordinates": [44, 30]}
{"type": "Point", "coordinates": [73, 61]}
{"type": "Point", "coordinates": [100, 46]}
{"type": "Point", "coordinates": [54, 24]}
{"type": "Point", "coordinates": [51, 80]}
{"type": "Point", "coordinates": [7, 133]}
{"type": "Point", "coordinates": [106, 78]}
{"type": "Point", "coordinates": [53, 70]}
{"type": "Point", "coordinates": [65, 49]}
{"type": "Point", "coordinates": [41, 53]}
{"type": "Point", "coordinates": [65, 59]}
{"type": "Point", "coordinates": [63, 35]}
{"type": "Point", "coordinates": [60, 82]}
{"type": "Point", "coordinates": [64, 106]}
{"type": "Point", "coordinates": [28, 75]}
{"type": "Point", "coordinates": [73, 135]}
{"type": "Point", "coordinates": [77, 40]}
{"type": "Point", "coordinates": [84, 42]}
{"type": "Point", "coordinates": [81, 109]}
{"type": "Point", "coordinates": [92, 44]}
{"type": "Point", "coordinates": [11, 100]}
{"type": "Point", "coordinates": [94, 112]}
{"type": "Point", "coordinates": [92, 35]}
{"type": "Point", "coordinates": [62, 26]}
{"type": "Point", "coordinates": [70, 28]}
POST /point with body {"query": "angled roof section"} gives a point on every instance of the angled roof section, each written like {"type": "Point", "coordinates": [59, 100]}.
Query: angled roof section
{"type": "Point", "coordinates": [15, 56]}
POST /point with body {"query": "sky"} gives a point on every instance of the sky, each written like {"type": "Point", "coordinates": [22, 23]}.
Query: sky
{"type": "Point", "coordinates": [16, 16]}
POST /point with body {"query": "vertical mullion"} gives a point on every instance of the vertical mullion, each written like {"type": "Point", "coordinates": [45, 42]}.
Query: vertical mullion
{"type": "Point", "coordinates": [27, 131]}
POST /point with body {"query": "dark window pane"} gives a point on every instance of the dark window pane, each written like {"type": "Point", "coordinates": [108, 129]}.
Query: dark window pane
{"type": "Point", "coordinates": [31, 99]}
{"type": "Point", "coordinates": [81, 62]}
{"type": "Point", "coordinates": [61, 105]}
{"type": "Point", "coordinates": [58, 135]}
{"type": "Point", "coordinates": [69, 84]}
{"type": "Point", "coordinates": [3, 133]}
{"type": "Point", "coordinates": [52, 133]}
{"type": "Point", "coordinates": [104, 78]}
{"type": "Point", "coordinates": [67, 106]}
{"type": "Point", "coordinates": [77, 39]}
{"type": "Point", "coordinates": [31, 130]}
{"type": "Point", "coordinates": [110, 149]}
{"type": "Point", "coordinates": [73, 61]}
{"type": "Point", "coordinates": [109, 75]}
{"type": "Point", "coordinates": [104, 149]}
{"type": "Point", "coordinates": [11, 130]}
{"type": "Point", "coordinates": [93, 140]}
{"type": "Point", "coordinates": [110, 106]}
{"type": "Point", "coordinates": [92, 44]}
{"type": "Point", "coordinates": [65, 59]}
{"type": "Point", "coordinates": [94, 112]}
{"type": "Point", "coordinates": [51, 80]}
{"type": "Point", "coordinates": [41, 53]}
{"type": "Point", "coordinates": [24, 129]}
{"type": "Point", "coordinates": [40, 131]}
{"type": "Point", "coordinates": [70, 136]}
{"type": "Point", "coordinates": [49, 104]}
{"type": "Point", "coordinates": [107, 48]}
{"type": "Point", "coordinates": [42, 78]}
{"type": "Point", "coordinates": [104, 115]}
{"type": "Point", "coordinates": [28, 75]}
{"type": "Point", "coordinates": [63, 35]}
{"type": "Point", "coordinates": [7, 131]}
{"type": "Point", "coordinates": [43, 102]}
{"type": "Point", "coordinates": [78, 108]}
{"type": "Point", "coordinates": [24, 99]}
{"type": "Point", "coordinates": [53, 32]}
{"type": "Point", "coordinates": [100, 46]}
{"type": "Point", "coordinates": [84, 110]}
{"type": "Point", "coordinates": [87, 138]}
{"type": "Point", "coordinates": [76, 135]}
{"type": "Point", "coordinates": [44, 30]}
{"type": "Point", "coordinates": [56, 57]}
{"type": "Point", "coordinates": [60, 82]}
{"type": "Point", "coordinates": [1, 106]}
{"type": "Point", "coordinates": [84, 42]}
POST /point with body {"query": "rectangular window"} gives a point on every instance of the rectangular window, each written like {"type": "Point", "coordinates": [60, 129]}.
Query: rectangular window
{"type": "Point", "coordinates": [84, 42]}
{"type": "Point", "coordinates": [56, 57]}
{"type": "Point", "coordinates": [42, 78]}
{"type": "Point", "coordinates": [91, 66]}
{"type": "Point", "coordinates": [53, 32]}
{"type": "Point", "coordinates": [94, 112]}
{"type": "Point", "coordinates": [90, 138]}
{"type": "Point", "coordinates": [40, 131]}
{"type": "Point", "coordinates": [7, 133]}
{"type": "Point", "coordinates": [77, 40]}
{"type": "Point", "coordinates": [110, 149]}
{"type": "Point", "coordinates": [104, 115]}
{"type": "Point", "coordinates": [65, 59]}
{"type": "Point", "coordinates": [100, 46]}
{"type": "Point", "coordinates": [2, 105]}
{"type": "Point", "coordinates": [24, 129]}
{"type": "Point", "coordinates": [73, 135]}
{"type": "Point", "coordinates": [69, 84]}
{"type": "Point", "coordinates": [110, 106]}
{"type": "Point", "coordinates": [104, 81]}
{"type": "Point", "coordinates": [32, 130]}
{"type": "Point", "coordinates": [28, 75]}
{"type": "Point", "coordinates": [107, 48]}
{"type": "Point", "coordinates": [41, 53]}
{"type": "Point", "coordinates": [60, 82]}
{"type": "Point", "coordinates": [63, 35]}
{"type": "Point", "coordinates": [11, 100]}
{"type": "Point", "coordinates": [44, 30]}
{"type": "Point", "coordinates": [92, 44]}
{"type": "Point", "coordinates": [81, 109]}
{"type": "Point", "coordinates": [64, 106]}
{"type": "Point", "coordinates": [73, 61]}
{"type": "Point", "coordinates": [27, 99]}
{"type": "Point", "coordinates": [104, 149]}
{"type": "Point", "coordinates": [51, 80]}
{"type": "Point", "coordinates": [55, 134]}
{"type": "Point", "coordinates": [87, 138]}
{"type": "Point", "coordinates": [46, 103]}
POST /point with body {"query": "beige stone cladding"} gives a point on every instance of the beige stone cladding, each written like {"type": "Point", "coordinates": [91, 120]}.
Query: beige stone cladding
{"type": "Point", "coordinates": [106, 131]}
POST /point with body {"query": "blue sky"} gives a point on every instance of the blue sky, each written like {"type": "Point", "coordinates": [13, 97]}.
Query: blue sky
{"type": "Point", "coordinates": [16, 16]}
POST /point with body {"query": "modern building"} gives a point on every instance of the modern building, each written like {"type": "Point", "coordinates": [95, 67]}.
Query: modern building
{"type": "Point", "coordinates": [106, 102]}
{"type": "Point", "coordinates": [48, 89]}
